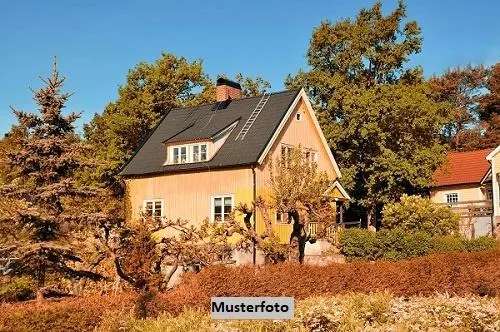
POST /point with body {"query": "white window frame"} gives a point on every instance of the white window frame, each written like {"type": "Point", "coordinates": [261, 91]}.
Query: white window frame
{"type": "Point", "coordinates": [448, 195]}
{"type": "Point", "coordinates": [153, 201]}
{"type": "Point", "coordinates": [189, 153]}
{"type": "Point", "coordinates": [212, 205]}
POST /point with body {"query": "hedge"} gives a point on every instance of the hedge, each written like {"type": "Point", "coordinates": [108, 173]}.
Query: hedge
{"type": "Point", "coordinates": [397, 244]}
{"type": "Point", "coordinates": [454, 273]}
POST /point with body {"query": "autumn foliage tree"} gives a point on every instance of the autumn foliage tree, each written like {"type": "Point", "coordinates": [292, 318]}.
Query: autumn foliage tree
{"type": "Point", "coordinates": [148, 252]}
{"type": "Point", "coordinates": [377, 112]}
{"type": "Point", "coordinates": [42, 237]}
{"type": "Point", "coordinates": [473, 98]}
{"type": "Point", "coordinates": [300, 190]}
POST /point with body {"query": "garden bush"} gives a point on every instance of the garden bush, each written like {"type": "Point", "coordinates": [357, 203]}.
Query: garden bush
{"type": "Point", "coordinates": [459, 274]}
{"type": "Point", "coordinates": [394, 244]}
{"type": "Point", "coordinates": [351, 312]}
{"type": "Point", "coordinates": [17, 289]}
{"type": "Point", "coordinates": [415, 213]}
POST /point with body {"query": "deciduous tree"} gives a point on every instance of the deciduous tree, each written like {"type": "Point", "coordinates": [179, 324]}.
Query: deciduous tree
{"type": "Point", "coordinates": [150, 91]}
{"type": "Point", "coordinates": [299, 190]}
{"type": "Point", "coordinates": [376, 112]}
{"type": "Point", "coordinates": [147, 252]}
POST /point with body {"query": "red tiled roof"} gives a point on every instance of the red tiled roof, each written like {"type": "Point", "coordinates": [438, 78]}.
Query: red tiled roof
{"type": "Point", "coordinates": [463, 168]}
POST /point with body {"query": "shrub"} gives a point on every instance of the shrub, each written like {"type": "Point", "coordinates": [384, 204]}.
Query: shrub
{"type": "Point", "coordinates": [395, 244]}
{"type": "Point", "coordinates": [454, 273]}
{"type": "Point", "coordinates": [17, 289]}
{"type": "Point", "coordinates": [357, 242]}
{"type": "Point", "coordinates": [351, 312]}
{"type": "Point", "coordinates": [414, 213]}
{"type": "Point", "coordinates": [77, 314]}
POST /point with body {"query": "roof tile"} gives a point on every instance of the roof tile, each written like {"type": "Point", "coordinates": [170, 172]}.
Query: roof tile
{"type": "Point", "coordinates": [467, 167]}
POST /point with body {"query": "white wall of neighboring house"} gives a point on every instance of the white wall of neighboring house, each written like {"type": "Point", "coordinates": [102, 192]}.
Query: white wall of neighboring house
{"type": "Point", "coordinates": [466, 193]}
{"type": "Point", "coordinates": [494, 159]}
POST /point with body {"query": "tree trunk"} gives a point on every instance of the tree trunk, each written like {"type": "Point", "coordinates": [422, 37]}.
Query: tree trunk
{"type": "Point", "coordinates": [40, 296]}
{"type": "Point", "coordinates": [40, 289]}
{"type": "Point", "coordinates": [371, 221]}
{"type": "Point", "coordinates": [144, 297]}
{"type": "Point", "coordinates": [298, 240]}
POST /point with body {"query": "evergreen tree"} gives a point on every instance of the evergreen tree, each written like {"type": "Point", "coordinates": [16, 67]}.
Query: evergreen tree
{"type": "Point", "coordinates": [43, 235]}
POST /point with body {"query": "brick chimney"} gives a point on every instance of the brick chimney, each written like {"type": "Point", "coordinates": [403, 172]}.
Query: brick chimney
{"type": "Point", "coordinates": [227, 89]}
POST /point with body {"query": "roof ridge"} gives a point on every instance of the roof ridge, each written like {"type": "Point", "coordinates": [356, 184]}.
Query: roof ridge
{"type": "Point", "coordinates": [238, 99]}
{"type": "Point", "coordinates": [471, 151]}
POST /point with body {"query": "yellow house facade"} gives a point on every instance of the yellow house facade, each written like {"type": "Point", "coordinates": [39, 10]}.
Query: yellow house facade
{"type": "Point", "coordinates": [201, 162]}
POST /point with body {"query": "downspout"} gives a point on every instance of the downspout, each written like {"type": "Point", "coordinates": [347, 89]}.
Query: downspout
{"type": "Point", "coordinates": [254, 214]}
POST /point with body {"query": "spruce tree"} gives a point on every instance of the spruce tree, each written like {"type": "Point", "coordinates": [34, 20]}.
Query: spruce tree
{"type": "Point", "coordinates": [42, 239]}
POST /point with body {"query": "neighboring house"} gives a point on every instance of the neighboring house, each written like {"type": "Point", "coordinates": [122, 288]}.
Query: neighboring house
{"type": "Point", "coordinates": [465, 183]}
{"type": "Point", "coordinates": [200, 162]}
{"type": "Point", "coordinates": [494, 159]}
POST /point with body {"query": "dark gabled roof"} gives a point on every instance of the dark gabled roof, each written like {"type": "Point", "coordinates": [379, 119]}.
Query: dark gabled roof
{"type": "Point", "coordinates": [203, 122]}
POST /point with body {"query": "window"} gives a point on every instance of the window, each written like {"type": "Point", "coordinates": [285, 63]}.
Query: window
{"type": "Point", "coordinates": [311, 156]}
{"type": "Point", "coordinates": [286, 153]}
{"type": "Point", "coordinates": [153, 208]}
{"type": "Point", "coordinates": [191, 153]}
{"type": "Point", "coordinates": [196, 153]}
{"type": "Point", "coordinates": [283, 218]}
{"type": "Point", "coordinates": [179, 155]}
{"type": "Point", "coordinates": [221, 207]}
{"type": "Point", "coordinates": [183, 154]}
{"type": "Point", "coordinates": [298, 116]}
{"type": "Point", "coordinates": [203, 149]}
{"type": "Point", "coordinates": [452, 198]}
{"type": "Point", "coordinates": [175, 156]}
{"type": "Point", "coordinates": [199, 153]}
{"type": "Point", "coordinates": [489, 193]}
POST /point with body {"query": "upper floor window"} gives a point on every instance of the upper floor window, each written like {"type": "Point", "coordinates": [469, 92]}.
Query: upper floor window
{"type": "Point", "coordinates": [311, 156]}
{"type": "Point", "coordinates": [191, 153]}
{"type": "Point", "coordinates": [286, 154]}
{"type": "Point", "coordinates": [452, 198]}
{"type": "Point", "coordinates": [199, 153]}
{"type": "Point", "coordinates": [153, 208]}
{"type": "Point", "coordinates": [222, 207]}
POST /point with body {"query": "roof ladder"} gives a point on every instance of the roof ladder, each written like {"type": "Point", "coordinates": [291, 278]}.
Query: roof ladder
{"type": "Point", "coordinates": [253, 116]}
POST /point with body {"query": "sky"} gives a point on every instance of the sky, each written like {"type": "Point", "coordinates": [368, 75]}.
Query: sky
{"type": "Point", "coordinates": [97, 42]}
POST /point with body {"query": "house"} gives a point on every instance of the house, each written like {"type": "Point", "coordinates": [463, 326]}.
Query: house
{"type": "Point", "coordinates": [464, 182]}
{"type": "Point", "coordinates": [494, 158]}
{"type": "Point", "coordinates": [200, 162]}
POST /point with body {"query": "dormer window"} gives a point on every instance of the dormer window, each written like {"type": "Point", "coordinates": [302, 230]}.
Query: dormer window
{"type": "Point", "coordinates": [197, 150]}
{"type": "Point", "coordinates": [199, 153]}
{"type": "Point", "coordinates": [189, 153]}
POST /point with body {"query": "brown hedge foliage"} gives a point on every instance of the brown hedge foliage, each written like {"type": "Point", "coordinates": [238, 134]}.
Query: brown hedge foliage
{"type": "Point", "coordinates": [455, 273]}
{"type": "Point", "coordinates": [76, 314]}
